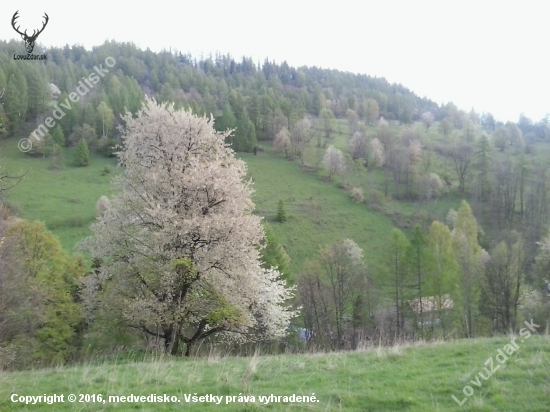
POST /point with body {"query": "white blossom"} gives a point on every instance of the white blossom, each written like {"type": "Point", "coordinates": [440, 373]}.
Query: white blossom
{"type": "Point", "coordinates": [334, 161]}
{"type": "Point", "coordinates": [179, 243]}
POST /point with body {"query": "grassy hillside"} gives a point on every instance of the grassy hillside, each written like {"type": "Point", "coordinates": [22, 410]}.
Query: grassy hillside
{"type": "Point", "coordinates": [319, 212]}
{"type": "Point", "coordinates": [64, 199]}
{"type": "Point", "coordinates": [418, 378]}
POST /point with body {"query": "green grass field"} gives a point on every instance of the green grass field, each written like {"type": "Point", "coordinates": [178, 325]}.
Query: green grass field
{"type": "Point", "coordinates": [319, 212]}
{"type": "Point", "coordinates": [65, 200]}
{"type": "Point", "coordinates": [416, 378]}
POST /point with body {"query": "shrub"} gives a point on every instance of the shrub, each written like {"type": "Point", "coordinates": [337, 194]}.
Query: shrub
{"type": "Point", "coordinates": [357, 195]}
{"type": "Point", "coordinates": [56, 223]}
{"type": "Point", "coordinates": [75, 221]}
{"type": "Point", "coordinates": [376, 200]}
{"type": "Point", "coordinates": [12, 207]}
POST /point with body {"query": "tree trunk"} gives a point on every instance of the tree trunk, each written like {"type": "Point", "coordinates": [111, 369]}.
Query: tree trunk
{"type": "Point", "coordinates": [188, 346]}
{"type": "Point", "coordinates": [172, 341]}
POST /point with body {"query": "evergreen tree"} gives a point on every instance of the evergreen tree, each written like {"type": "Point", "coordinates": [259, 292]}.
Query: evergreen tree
{"type": "Point", "coordinates": [274, 255]}
{"type": "Point", "coordinates": [57, 135]}
{"type": "Point", "coordinates": [73, 116]}
{"type": "Point", "coordinates": [14, 105]}
{"type": "Point", "coordinates": [227, 120]}
{"type": "Point", "coordinates": [281, 213]}
{"type": "Point", "coordinates": [82, 153]}
{"type": "Point", "coordinates": [39, 94]}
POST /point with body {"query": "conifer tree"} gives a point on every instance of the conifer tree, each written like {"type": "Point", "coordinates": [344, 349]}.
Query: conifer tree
{"type": "Point", "coordinates": [58, 136]}
{"type": "Point", "coordinates": [82, 154]}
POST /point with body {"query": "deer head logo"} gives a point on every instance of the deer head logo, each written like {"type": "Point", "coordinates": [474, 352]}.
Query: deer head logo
{"type": "Point", "coordinates": [29, 40]}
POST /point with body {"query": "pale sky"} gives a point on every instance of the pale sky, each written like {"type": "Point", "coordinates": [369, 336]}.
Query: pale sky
{"type": "Point", "coordinates": [489, 55]}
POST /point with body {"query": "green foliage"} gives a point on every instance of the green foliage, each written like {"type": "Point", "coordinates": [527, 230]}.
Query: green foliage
{"type": "Point", "coordinates": [42, 147]}
{"type": "Point", "coordinates": [274, 255]}
{"type": "Point", "coordinates": [405, 117]}
{"type": "Point", "coordinates": [376, 200]}
{"type": "Point", "coordinates": [396, 275]}
{"type": "Point", "coordinates": [3, 122]}
{"type": "Point", "coordinates": [469, 257]}
{"type": "Point", "coordinates": [38, 91]}
{"type": "Point", "coordinates": [86, 133]}
{"type": "Point", "coordinates": [58, 136]}
{"type": "Point", "coordinates": [443, 274]}
{"type": "Point", "coordinates": [257, 101]}
{"type": "Point", "coordinates": [281, 213]}
{"type": "Point", "coordinates": [49, 279]}
{"type": "Point", "coordinates": [15, 99]}
{"type": "Point", "coordinates": [82, 154]}
{"type": "Point", "coordinates": [104, 120]}
{"type": "Point", "coordinates": [227, 120]}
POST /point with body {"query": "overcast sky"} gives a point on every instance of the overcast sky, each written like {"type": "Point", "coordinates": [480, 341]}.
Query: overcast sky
{"type": "Point", "coordinates": [489, 55]}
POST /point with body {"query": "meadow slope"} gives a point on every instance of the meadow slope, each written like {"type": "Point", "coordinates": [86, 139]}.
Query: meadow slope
{"type": "Point", "coordinates": [417, 378]}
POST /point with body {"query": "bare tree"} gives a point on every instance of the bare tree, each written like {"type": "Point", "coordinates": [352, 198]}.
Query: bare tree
{"type": "Point", "coordinates": [329, 288]}
{"type": "Point", "coordinates": [515, 136]}
{"type": "Point", "coordinates": [462, 154]}
{"type": "Point", "coordinates": [372, 111]}
{"type": "Point", "coordinates": [275, 122]}
{"type": "Point", "coordinates": [8, 181]}
{"type": "Point", "coordinates": [427, 119]}
{"type": "Point", "coordinates": [359, 147]}
{"type": "Point", "coordinates": [504, 193]}
{"type": "Point", "coordinates": [327, 121]}
{"type": "Point", "coordinates": [502, 282]}
{"type": "Point", "coordinates": [300, 137]}
{"type": "Point", "coordinates": [501, 138]}
{"type": "Point", "coordinates": [353, 121]}
{"type": "Point", "coordinates": [445, 128]}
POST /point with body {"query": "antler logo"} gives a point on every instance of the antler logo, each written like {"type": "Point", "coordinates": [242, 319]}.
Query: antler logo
{"type": "Point", "coordinates": [29, 40]}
